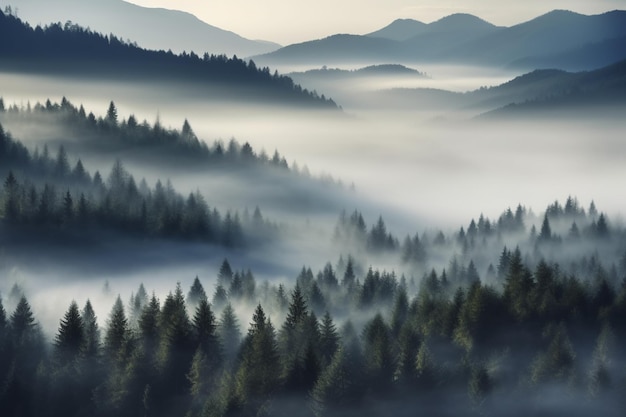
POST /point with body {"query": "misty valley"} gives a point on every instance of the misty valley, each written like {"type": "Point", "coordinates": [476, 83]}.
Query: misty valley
{"type": "Point", "coordinates": [425, 219]}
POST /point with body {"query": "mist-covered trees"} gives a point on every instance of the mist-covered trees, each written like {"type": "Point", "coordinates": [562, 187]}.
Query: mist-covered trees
{"type": "Point", "coordinates": [543, 328]}
{"type": "Point", "coordinates": [70, 199]}
{"type": "Point", "coordinates": [488, 325]}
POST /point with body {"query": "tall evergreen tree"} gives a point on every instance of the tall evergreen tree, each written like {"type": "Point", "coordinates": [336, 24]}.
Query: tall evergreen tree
{"type": "Point", "coordinates": [258, 374]}
{"type": "Point", "coordinates": [329, 339]}
{"type": "Point", "coordinates": [117, 332]}
{"type": "Point", "coordinates": [70, 338]}
{"type": "Point", "coordinates": [112, 114]}
{"type": "Point", "coordinates": [225, 275]}
{"type": "Point", "coordinates": [91, 345]}
{"type": "Point", "coordinates": [229, 333]}
{"type": "Point", "coordinates": [196, 293]}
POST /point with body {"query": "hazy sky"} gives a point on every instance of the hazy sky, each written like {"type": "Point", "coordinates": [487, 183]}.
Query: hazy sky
{"type": "Point", "coordinates": [288, 21]}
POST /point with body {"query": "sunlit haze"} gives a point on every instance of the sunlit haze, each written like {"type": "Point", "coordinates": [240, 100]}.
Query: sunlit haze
{"type": "Point", "coordinates": [287, 22]}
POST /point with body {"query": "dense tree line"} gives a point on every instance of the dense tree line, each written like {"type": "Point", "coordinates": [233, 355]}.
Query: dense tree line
{"type": "Point", "coordinates": [563, 229]}
{"type": "Point", "coordinates": [157, 144]}
{"type": "Point", "coordinates": [47, 192]}
{"type": "Point", "coordinates": [544, 331]}
{"type": "Point", "coordinates": [71, 49]}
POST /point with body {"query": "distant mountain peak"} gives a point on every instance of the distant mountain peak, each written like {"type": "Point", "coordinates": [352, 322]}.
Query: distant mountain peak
{"type": "Point", "coordinates": [400, 30]}
{"type": "Point", "coordinates": [461, 21]}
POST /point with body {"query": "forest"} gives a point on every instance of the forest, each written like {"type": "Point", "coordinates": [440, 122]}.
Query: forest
{"type": "Point", "coordinates": [525, 306]}
{"type": "Point", "coordinates": [536, 330]}
{"type": "Point", "coordinates": [492, 312]}
{"type": "Point", "coordinates": [429, 262]}
{"type": "Point", "coordinates": [71, 49]}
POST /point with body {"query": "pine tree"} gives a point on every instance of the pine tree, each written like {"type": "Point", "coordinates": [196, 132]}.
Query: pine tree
{"type": "Point", "coordinates": [91, 345]}
{"type": "Point", "coordinates": [117, 333]}
{"type": "Point", "coordinates": [148, 324]}
{"type": "Point", "coordinates": [546, 231]}
{"type": "Point", "coordinates": [205, 332]}
{"type": "Point", "coordinates": [400, 311]}
{"type": "Point", "coordinates": [379, 360]}
{"type": "Point", "coordinates": [196, 293]}
{"type": "Point", "coordinates": [22, 322]}
{"type": "Point", "coordinates": [70, 338]}
{"type": "Point", "coordinates": [112, 114]}
{"type": "Point", "coordinates": [62, 165]}
{"type": "Point", "coordinates": [258, 374]}
{"type": "Point", "coordinates": [336, 389]}
{"type": "Point", "coordinates": [348, 277]}
{"type": "Point", "coordinates": [11, 201]}
{"type": "Point", "coordinates": [518, 287]}
{"type": "Point", "coordinates": [229, 333]}
{"type": "Point", "coordinates": [329, 339]}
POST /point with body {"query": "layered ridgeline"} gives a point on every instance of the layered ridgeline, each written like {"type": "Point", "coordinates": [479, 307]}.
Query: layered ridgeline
{"type": "Point", "coordinates": [70, 50]}
{"type": "Point", "coordinates": [545, 332]}
{"type": "Point", "coordinates": [541, 90]}
{"type": "Point", "coordinates": [559, 39]}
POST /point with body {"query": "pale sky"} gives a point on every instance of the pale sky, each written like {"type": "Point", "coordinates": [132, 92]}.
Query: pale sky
{"type": "Point", "coordinates": [291, 21]}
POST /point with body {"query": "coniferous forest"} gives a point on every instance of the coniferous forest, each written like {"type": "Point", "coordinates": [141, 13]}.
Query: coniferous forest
{"type": "Point", "coordinates": [408, 252]}
{"type": "Point", "coordinates": [492, 313]}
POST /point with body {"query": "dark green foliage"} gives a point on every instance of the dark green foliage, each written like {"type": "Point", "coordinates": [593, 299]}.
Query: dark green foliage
{"type": "Point", "coordinates": [229, 333]}
{"type": "Point", "coordinates": [91, 346]}
{"type": "Point", "coordinates": [337, 388]}
{"type": "Point", "coordinates": [518, 287]}
{"type": "Point", "coordinates": [117, 333]}
{"type": "Point", "coordinates": [379, 358]}
{"type": "Point", "coordinates": [258, 375]}
{"type": "Point", "coordinates": [556, 363]}
{"type": "Point", "coordinates": [70, 338]}
{"type": "Point", "coordinates": [329, 339]}
{"type": "Point", "coordinates": [453, 342]}
{"type": "Point", "coordinates": [205, 333]}
{"type": "Point", "coordinates": [112, 114]}
{"type": "Point", "coordinates": [73, 50]}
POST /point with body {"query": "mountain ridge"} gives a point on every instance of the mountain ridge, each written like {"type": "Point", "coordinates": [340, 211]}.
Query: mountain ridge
{"type": "Point", "coordinates": [467, 39]}
{"type": "Point", "coordinates": [143, 25]}
{"type": "Point", "coordinates": [74, 51]}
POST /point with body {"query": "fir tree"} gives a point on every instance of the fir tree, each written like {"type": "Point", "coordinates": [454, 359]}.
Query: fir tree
{"type": "Point", "coordinates": [70, 338]}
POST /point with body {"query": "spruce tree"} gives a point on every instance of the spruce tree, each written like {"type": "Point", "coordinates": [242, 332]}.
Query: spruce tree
{"type": "Point", "coordinates": [117, 332]}
{"type": "Point", "coordinates": [329, 339]}
{"type": "Point", "coordinates": [229, 333]}
{"type": "Point", "coordinates": [196, 293]}
{"type": "Point", "coordinates": [70, 337]}
{"type": "Point", "coordinates": [258, 374]}
{"type": "Point", "coordinates": [225, 275]}
{"type": "Point", "coordinates": [91, 345]}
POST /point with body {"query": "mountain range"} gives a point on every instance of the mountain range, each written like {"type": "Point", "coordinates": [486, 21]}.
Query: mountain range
{"type": "Point", "coordinates": [151, 28]}
{"type": "Point", "coordinates": [559, 39]}
{"type": "Point", "coordinates": [538, 90]}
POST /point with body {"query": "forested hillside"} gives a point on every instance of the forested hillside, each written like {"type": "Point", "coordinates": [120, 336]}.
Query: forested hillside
{"type": "Point", "coordinates": [70, 50]}
{"type": "Point", "coordinates": [186, 355]}
{"type": "Point", "coordinates": [46, 195]}
{"type": "Point", "coordinates": [352, 339]}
